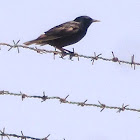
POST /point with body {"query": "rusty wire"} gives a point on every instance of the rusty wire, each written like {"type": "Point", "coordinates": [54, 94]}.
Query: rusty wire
{"type": "Point", "coordinates": [22, 137]}
{"type": "Point", "coordinates": [64, 100]}
{"type": "Point", "coordinates": [92, 58]}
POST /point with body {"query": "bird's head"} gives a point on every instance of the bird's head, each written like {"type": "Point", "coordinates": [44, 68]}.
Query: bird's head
{"type": "Point", "coordinates": [85, 20]}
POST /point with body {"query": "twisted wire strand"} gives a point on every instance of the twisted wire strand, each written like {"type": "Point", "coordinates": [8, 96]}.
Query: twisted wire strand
{"type": "Point", "coordinates": [65, 101]}
{"type": "Point", "coordinates": [92, 58]}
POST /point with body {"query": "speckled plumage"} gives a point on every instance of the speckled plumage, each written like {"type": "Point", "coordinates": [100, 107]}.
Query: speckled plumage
{"type": "Point", "coordinates": [64, 34]}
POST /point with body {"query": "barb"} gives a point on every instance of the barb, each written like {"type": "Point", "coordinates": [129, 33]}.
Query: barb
{"type": "Point", "coordinates": [64, 100]}
{"type": "Point", "coordinates": [22, 137]}
{"type": "Point", "coordinates": [92, 58]}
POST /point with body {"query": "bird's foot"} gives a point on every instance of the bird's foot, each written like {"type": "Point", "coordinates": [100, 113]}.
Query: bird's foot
{"type": "Point", "coordinates": [71, 54]}
{"type": "Point", "coordinates": [63, 54]}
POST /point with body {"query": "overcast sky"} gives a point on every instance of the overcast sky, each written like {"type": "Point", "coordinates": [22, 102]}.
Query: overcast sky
{"type": "Point", "coordinates": [32, 73]}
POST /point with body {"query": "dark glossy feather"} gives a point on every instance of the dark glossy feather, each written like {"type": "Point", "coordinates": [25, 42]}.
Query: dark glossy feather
{"type": "Point", "coordinates": [64, 34]}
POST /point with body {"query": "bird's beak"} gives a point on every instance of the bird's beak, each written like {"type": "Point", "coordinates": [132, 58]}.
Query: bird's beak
{"type": "Point", "coordinates": [94, 20]}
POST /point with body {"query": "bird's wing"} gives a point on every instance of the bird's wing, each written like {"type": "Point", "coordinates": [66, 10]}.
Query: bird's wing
{"type": "Point", "coordinates": [60, 31]}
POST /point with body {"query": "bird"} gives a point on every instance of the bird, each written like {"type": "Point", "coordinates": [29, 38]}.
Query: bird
{"type": "Point", "coordinates": [64, 34]}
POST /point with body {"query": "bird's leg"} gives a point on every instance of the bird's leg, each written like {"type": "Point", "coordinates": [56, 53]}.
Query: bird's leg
{"type": "Point", "coordinates": [68, 51]}
{"type": "Point", "coordinates": [64, 53]}
{"type": "Point", "coordinates": [71, 53]}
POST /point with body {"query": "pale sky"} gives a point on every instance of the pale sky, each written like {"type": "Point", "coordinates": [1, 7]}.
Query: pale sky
{"type": "Point", "coordinates": [32, 73]}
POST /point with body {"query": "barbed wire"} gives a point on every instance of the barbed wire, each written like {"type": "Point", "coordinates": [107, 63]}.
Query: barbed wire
{"type": "Point", "coordinates": [71, 55]}
{"type": "Point", "coordinates": [22, 137]}
{"type": "Point", "coordinates": [64, 100]}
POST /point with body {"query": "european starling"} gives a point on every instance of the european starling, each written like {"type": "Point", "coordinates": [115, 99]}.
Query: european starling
{"type": "Point", "coordinates": [64, 34]}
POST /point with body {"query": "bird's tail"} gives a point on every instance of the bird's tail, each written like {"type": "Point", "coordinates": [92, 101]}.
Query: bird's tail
{"type": "Point", "coordinates": [31, 42]}
{"type": "Point", "coordinates": [37, 41]}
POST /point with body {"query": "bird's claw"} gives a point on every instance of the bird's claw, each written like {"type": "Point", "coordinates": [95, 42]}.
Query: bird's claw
{"type": "Point", "coordinates": [63, 54]}
{"type": "Point", "coordinates": [67, 52]}
{"type": "Point", "coordinates": [71, 54]}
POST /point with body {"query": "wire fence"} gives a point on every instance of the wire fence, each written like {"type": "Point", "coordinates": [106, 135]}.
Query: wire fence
{"type": "Point", "coordinates": [132, 63]}
{"type": "Point", "coordinates": [65, 100]}
{"type": "Point", "coordinates": [22, 137]}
